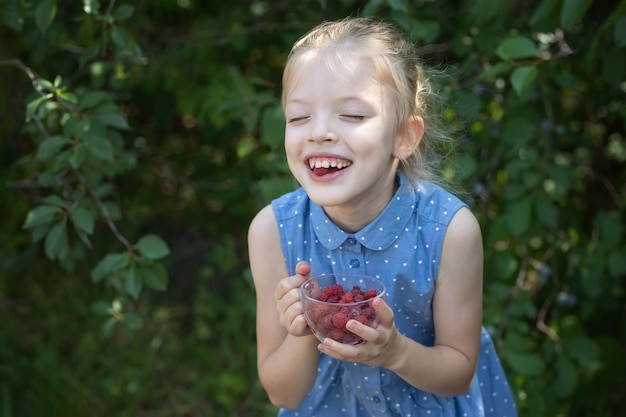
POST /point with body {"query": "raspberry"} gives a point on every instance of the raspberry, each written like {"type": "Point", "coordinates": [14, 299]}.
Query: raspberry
{"type": "Point", "coordinates": [339, 320]}
{"type": "Point", "coordinates": [323, 297]}
{"type": "Point", "coordinates": [337, 334]}
{"type": "Point", "coordinates": [368, 312]}
{"type": "Point", "coordinates": [347, 298]}
{"type": "Point", "coordinates": [371, 293]}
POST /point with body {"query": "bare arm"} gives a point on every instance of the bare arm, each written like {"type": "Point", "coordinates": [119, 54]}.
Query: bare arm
{"type": "Point", "coordinates": [284, 343]}
{"type": "Point", "coordinates": [447, 368]}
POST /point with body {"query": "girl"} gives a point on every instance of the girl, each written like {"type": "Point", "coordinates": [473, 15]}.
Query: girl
{"type": "Point", "coordinates": [357, 136]}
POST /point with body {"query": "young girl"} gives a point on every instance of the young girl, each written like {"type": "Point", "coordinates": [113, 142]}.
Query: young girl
{"type": "Point", "coordinates": [357, 136]}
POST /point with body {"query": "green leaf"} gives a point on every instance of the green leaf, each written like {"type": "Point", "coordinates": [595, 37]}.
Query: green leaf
{"type": "Point", "coordinates": [45, 85]}
{"type": "Point", "coordinates": [113, 120]}
{"type": "Point", "coordinates": [132, 320]}
{"type": "Point", "coordinates": [68, 97]}
{"type": "Point", "coordinates": [152, 247]}
{"type": "Point", "coordinates": [78, 156]}
{"type": "Point", "coordinates": [467, 104]}
{"type": "Point", "coordinates": [427, 30]}
{"type": "Point", "coordinates": [109, 326]}
{"type": "Point", "coordinates": [40, 215]}
{"type": "Point", "coordinates": [272, 126]}
{"type": "Point", "coordinates": [518, 216]}
{"type": "Point", "coordinates": [88, 54]}
{"type": "Point", "coordinates": [54, 200]}
{"type": "Point", "coordinates": [619, 31]}
{"type": "Point", "coordinates": [109, 265]}
{"type": "Point", "coordinates": [494, 70]}
{"type": "Point", "coordinates": [56, 244]}
{"type": "Point", "coordinates": [44, 14]}
{"type": "Point", "coordinates": [123, 12]}
{"type": "Point", "coordinates": [94, 137]}
{"type": "Point", "coordinates": [133, 282]}
{"type": "Point", "coordinates": [617, 263]}
{"type": "Point", "coordinates": [32, 106]}
{"type": "Point", "coordinates": [566, 377]}
{"type": "Point", "coordinates": [610, 229]}
{"type": "Point", "coordinates": [41, 231]}
{"type": "Point", "coordinates": [101, 308]}
{"type": "Point", "coordinates": [524, 363]}
{"type": "Point", "coordinates": [466, 166]}
{"type": "Point", "coordinates": [572, 12]}
{"type": "Point", "coordinates": [613, 65]}
{"type": "Point", "coordinates": [91, 6]}
{"type": "Point", "coordinates": [518, 131]}
{"type": "Point", "coordinates": [121, 37]}
{"type": "Point", "coordinates": [83, 219]}
{"type": "Point", "coordinates": [50, 146]}
{"type": "Point", "coordinates": [545, 10]}
{"type": "Point", "coordinates": [517, 47]}
{"type": "Point", "coordinates": [155, 276]}
{"type": "Point", "coordinates": [581, 349]}
{"type": "Point", "coordinates": [522, 78]}
{"type": "Point", "coordinates": [546, 211]}
{"type": "Point", "coordinates": [400, 5]}
{"type": "Point", "coordinates": [506, 264]}
{"type": "Point", "coordinates": [91, 99]}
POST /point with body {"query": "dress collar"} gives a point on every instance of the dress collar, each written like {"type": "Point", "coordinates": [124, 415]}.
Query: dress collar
{"type": "Point", "coordinates": [377, 235]}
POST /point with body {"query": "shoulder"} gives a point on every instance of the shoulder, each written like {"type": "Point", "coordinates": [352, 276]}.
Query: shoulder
{"type": "Point", "coordinates": [436, 203]}
{"type": "Point", "coordinates": [264, 222]}
{"type": "Point", "coordinates": [292, 204]}
{"type": "Point", "coordinates": [464, 229]}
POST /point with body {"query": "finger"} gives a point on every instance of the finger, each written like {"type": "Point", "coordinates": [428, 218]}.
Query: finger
{"type": "Point", "coordinates": [385, 313]}
{"type": "Point", "coordinates": [283, 287]}
{"type": "Point", "coordinates": [303, 268]}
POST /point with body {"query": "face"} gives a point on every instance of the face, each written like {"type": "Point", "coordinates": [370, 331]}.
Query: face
{"type": "Point", "coordinates": [340, 137]}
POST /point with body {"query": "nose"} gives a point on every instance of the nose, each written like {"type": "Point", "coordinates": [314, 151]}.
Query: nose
{"type": "Point", "coordinates": [321, 129]}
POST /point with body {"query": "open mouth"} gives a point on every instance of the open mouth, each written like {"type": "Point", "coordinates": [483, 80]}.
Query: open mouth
{"type": "Point", "coordinates": [323, 166]}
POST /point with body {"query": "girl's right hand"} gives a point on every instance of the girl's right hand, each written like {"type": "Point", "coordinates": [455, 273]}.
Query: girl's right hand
{"type": "Point", "coordinates": [288, 302]}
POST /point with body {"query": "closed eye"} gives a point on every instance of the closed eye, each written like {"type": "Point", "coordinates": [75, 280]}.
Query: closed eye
{"type": "Point", "coordinates": [353, 116]}
{"type": "Point", "coordinates": [297, 119]}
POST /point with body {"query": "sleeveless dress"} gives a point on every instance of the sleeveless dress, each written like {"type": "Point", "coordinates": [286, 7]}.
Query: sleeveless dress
{"type": "Point", "coordinates": [402, 248]}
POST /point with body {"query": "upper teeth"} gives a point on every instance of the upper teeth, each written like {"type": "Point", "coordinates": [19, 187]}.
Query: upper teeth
{"type": "Point", "coordinates": [326, 163]}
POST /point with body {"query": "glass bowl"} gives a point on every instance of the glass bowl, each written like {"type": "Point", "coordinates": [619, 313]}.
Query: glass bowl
{"type": "Point", "coordinates": [330, 300]}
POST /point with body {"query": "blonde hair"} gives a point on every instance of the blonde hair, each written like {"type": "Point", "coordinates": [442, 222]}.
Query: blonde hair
{"type": "Point", "coordinates": [398, 66]}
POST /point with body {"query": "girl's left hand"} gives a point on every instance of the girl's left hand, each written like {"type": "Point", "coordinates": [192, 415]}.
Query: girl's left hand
{"type": "Point", "coordinates": [381, 343]}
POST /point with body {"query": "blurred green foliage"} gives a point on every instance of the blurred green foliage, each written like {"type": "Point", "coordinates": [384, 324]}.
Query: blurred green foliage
{"type": "Point", "coordinates": [139, 139]}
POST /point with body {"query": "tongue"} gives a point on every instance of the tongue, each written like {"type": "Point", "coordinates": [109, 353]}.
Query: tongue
{"type": "Point", "coordinates": [322, 171]}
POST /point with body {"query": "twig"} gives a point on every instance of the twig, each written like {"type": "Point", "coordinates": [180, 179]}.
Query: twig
{"type": "Point", "coordinates": [110, 7]}
{"type": "Point", "coordinates": [103, 209]}
{"type": "Point", "coordinates": [105, 212]}
{"type": "Point", "coordinates": [29, 72]}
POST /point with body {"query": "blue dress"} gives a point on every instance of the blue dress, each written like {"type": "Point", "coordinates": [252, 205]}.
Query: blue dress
{"type": "Point", "coordinates": [402, 248]}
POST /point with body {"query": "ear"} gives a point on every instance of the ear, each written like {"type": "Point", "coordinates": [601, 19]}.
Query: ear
{"type": "Point", "coordinates": [409, 138]}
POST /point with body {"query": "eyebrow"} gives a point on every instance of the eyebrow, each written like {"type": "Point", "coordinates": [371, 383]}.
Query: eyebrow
{"type": "Point", "coordinates": [340, 100]}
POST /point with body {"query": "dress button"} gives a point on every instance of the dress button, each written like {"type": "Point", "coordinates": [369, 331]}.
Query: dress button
{"type": "Point", "coordinates": [355, 263]}
{"type": "Point", "coordinates": [351, 241]}
{"type": "Point", "coordinates": [375, 399]}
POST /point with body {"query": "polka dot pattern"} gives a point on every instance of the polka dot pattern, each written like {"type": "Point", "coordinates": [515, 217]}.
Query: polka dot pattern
{"type": "Point", "coordinates": [402, 247]}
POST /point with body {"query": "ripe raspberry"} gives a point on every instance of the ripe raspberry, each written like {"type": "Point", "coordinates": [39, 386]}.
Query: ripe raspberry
{"type": "Point", "coordinates": [338, 335]}
{"type": "Point", "coordinates": [346, 298]}
{"type": "Point", "coordinates": [339, 320]}
{"type": "Point", "coordinates": [362, 319]}
{"type": "Point", "coordinates": [371, 293]}
{"type": "Point", "coordinates": [368, 312]}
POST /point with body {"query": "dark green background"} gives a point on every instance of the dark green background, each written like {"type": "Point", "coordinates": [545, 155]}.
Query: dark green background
{"type": "Point", "coordinates": [167, 114]}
